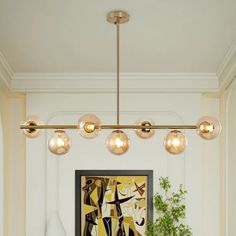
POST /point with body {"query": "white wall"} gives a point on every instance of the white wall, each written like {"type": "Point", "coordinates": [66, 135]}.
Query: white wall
{"type": "Point", "coordinates": [211, 167]}
{"type": "Point", "coordinates": [50, 179]}
{"type": "Point", "coordinates": [2, 155]}
{"type": "Point", "coordinates": [15, 168]}
{"type": "Point", "coordinates": [12, 162]}
{"type": "Point", "coordinates": [1, 178]}
{"type": "Point", "coordinates": [229, 160]}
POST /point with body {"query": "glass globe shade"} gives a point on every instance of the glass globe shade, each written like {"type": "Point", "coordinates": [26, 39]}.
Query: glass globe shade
{"type": "Point", "coordinates": [118, 142]}
{"type": "Point", "coordinates": [59, 143]}
{"type": "Point", "coordinates": [89, 126]}
{"type": "Point", "coordinates": [32, 120]}
{"type": "Point", "coordinates": [175, 142]}
{"type": "Point", "coordinates": [208, 127]}
{"type": "Point", "coordinates": [145, 133]}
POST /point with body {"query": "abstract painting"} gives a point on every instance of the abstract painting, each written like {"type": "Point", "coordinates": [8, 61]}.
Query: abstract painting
{"type": "Point", "coordinates": [113, 202]}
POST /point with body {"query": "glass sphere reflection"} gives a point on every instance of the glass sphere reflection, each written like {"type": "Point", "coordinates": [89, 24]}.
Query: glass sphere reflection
{"type": "Point", "coordinates": [32, 120]}
{"type": "Point", "coordinates": [118, 142]}
{"type": "Point", "coordinates": [145, 133]}
{"type": "Point", "coordinates": [59, 143]}
{"type": "Point", "coordinates": [89, 126]}
{"type": "Point", "coordinates": [175, 142]}
{"type": "Point", "coordinates": [208, 127]}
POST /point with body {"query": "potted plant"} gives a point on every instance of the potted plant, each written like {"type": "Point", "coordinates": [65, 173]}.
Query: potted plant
{"type": "Point", "coordinates": [170, 209]}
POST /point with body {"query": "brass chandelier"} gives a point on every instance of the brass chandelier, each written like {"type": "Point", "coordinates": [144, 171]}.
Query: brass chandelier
{"type": "Point", "coordinates": [89, 125]}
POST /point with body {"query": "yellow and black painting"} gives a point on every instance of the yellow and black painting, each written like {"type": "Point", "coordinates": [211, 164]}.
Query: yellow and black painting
{"type": "Point", "coordinates": [113, 205]}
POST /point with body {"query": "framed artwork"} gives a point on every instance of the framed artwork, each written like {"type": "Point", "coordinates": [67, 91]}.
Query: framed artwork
{"type": "Point", "coordinates": [113, 202]}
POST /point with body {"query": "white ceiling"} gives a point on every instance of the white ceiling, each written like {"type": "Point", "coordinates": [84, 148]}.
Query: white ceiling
{"type": "Point", "coordinates": [72, 36]}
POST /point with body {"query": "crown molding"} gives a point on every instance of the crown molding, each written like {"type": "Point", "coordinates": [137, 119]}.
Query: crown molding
{"type": "Point", "coordinates": [227, 70]}
{"type": "Point", "coordinates": [6, 73]}
{"type": "Point", "coordinates": [130, 82]}
{"type": "Point", "coordinates": [106, 82]}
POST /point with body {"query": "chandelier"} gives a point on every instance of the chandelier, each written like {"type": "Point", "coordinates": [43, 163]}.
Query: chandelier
{"type": "Point", "coordinates": [118, 142]}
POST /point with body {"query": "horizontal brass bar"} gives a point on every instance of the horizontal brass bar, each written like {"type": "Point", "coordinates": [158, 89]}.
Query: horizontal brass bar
{"type": "Point", "coordinates": [111, 127]}
{"type": "Point", "coordinates": [48, 127]}
{"type": "Point", "coordinates": [148, 127]}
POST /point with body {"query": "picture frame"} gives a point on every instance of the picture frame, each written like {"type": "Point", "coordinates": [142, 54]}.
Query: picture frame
{"type": "Point", "coordinates": [111, 202]}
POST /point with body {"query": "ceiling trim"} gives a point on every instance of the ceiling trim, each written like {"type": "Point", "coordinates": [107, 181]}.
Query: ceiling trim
{"type": "Point", "coordinates": [227, 69]}
{"type": "Point", "coordinates": [130, 82]}
{"type": "Point", "coordinates": [106, 82]}
{"type": "Point", "coordinates": [6, 73]}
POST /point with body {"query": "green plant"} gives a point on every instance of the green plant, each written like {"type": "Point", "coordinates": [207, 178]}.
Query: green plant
{"type": "Point", "coordinates": [170, 211]}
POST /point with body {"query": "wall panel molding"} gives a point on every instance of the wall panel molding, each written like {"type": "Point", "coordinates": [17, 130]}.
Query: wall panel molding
{"type": "Point", "coordinates": [49, 179]}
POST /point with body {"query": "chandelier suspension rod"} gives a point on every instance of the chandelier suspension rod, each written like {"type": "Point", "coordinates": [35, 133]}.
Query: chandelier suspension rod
{"type": "Point", "coordinates": [110, 127]}
{"type": "Point", "coordinates": [117, 23]}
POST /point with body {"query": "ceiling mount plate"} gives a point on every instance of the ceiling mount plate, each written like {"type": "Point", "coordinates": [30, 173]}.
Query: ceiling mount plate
{"type": "Point", "coordinates": [115, 17]}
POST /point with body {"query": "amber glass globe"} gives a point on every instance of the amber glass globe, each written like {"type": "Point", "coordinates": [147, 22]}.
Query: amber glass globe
{"type": "Point", "coordinates": [175, 142]}
{"type": "Point", "coordinates": [89, 126]}
{"type": "Point", "coordinates": [118, 142]}
{"type": "Point", "coordinates": [59, 143]}
{"type": "Point", "coordinates": [145, 133]}
{"type": "Point", "coordinates": [32, 120]}
{"type": "Point", "coordinates": [208, 127]}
